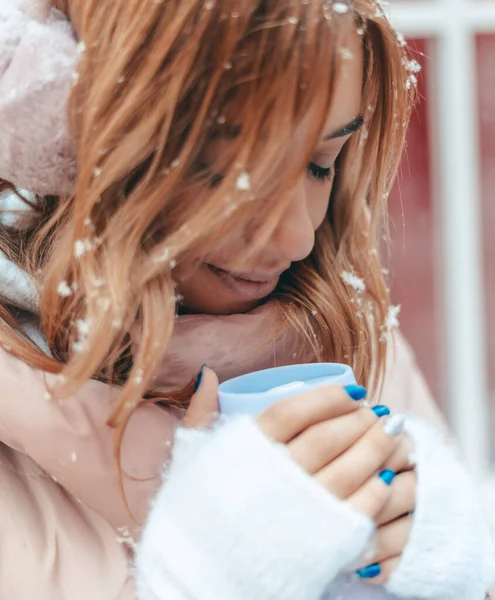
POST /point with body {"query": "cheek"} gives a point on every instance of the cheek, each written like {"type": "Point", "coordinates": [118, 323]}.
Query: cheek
{"type": "Point", "coordinates": [318, 200]}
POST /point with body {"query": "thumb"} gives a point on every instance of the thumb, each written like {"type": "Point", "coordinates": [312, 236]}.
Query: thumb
{"type": "Point", "coordinates": [203, 410]}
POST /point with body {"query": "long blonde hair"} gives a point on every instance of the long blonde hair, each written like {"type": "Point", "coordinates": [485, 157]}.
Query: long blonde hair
{"type": "Point", "coordinates": [153, 81]}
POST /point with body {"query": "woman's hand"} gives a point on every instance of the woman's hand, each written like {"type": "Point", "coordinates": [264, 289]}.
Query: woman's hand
{"type": "Point", "coordinates": [345, 446]}
{"type": "Point", "coordinates": [339, 442]}
{"type": "Point", "coordinates": [395, 520]}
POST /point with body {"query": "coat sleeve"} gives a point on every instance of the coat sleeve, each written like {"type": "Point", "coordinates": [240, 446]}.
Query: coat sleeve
{"type": "Point", "coordinates": [71, 441]}
{"type": "Point", "coordinates": [37, 64]}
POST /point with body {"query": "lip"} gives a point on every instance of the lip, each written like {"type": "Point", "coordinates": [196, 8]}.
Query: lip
{"type": "Point", "coordinates": [249, 286]}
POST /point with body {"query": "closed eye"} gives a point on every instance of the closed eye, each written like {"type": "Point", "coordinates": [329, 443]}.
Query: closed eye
{"type": "Point", "coordinates": [320, 173]}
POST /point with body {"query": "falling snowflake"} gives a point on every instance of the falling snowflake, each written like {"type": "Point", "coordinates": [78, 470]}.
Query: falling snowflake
{"type": "Point", "coordinates": [293, 20]}
{"type": "Point", "coordinates": [346, 54]}
{"type": "Point", "coordinates": [83, 330]}
{"type": "Point", "coordinates": [391, 322]}
{"type": "Point", "coordinates": [64, 290]}
{"type": "Point", "coordinates": [401, 39]}
{"type": "Point", "coordinates": [138, 378]}
{"type": "Point", "coordinates": [341, 8]}
{"type": "Point", "coordinates": [73, 456]}
{"type": "Point", "coordinates": [357, 283]}
{"type": "Point", "coordinates": [82, 246]}
{"type": "Point", "coordinates": [78, 347]}
{"type": "Point", "coordinates": [243, 182]}
{"type": "Point", "coordinates": [412, 66]}
{"type": "Point", "coordinates": [412, 81]}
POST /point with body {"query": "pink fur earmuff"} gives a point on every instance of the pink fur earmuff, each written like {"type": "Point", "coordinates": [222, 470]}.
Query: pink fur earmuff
{"type": "Point", "coordinates": [38, 57]}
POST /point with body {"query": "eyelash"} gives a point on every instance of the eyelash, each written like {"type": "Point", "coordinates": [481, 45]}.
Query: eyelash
{"type": "Point", "coordinates": [320, 173]}
{"type": "Point", "coordinates": [315, 171]}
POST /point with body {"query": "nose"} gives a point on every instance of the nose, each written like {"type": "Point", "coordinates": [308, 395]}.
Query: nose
{"type": "Point", "coordinates": [294, 237]}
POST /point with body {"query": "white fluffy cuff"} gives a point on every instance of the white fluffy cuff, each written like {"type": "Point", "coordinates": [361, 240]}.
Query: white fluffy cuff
{"type": "Point", "coordinates": [450, 553]}
{"type": "Point", "coordinates": [237, 518]}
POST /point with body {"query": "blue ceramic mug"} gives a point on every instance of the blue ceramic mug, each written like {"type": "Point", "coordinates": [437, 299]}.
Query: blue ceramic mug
{"type": "Point", "coordinates": [252, 393]}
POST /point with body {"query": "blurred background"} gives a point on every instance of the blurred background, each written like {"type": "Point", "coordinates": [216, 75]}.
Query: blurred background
{"type": "Point", "coordinates": [443, 212]}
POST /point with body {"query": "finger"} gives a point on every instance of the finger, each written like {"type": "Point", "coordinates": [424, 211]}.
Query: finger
{"type": "Point", "coordinates": [386, 568]}
{"type": "Point", "coordinates": [316, 447]}
{"type": "Point", "coordinates": [203, 409]}
{"type": "Point", "coordinates": [402, 458]}
{"type": "Point", "coordinates": [371, 497]}
{"type": "Point", "coordinates": [347, 473]}
{"type": "Point", "coordinates": [389, 541]}
{"type": "Point", "coordinates": [402, 500]}
{"type": "Point", "coordinates": [289, 417]}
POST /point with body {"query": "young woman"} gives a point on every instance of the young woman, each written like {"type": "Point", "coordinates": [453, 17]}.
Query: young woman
{"type": "Point", "coordinates": [219, 199]}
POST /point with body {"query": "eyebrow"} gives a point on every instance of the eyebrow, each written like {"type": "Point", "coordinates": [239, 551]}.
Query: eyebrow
{"type": "Point", "coordinates": [351, 127]}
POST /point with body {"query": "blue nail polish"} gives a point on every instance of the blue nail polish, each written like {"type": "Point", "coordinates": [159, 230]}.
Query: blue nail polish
{"type": "Point", "coordinates": [369, 572]}
{"type": "Point", "coordinates": [199, 378]}
{"type": "Point", "coordinates": [387, 476]}
{"type": "Point", "coordinates": [381, 410]}
{"type": "Point", "coordinates": [356, 392]}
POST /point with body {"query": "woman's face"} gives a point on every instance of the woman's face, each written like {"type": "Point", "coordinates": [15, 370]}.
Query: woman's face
{"type": "Point", "coordinates": [216, 286]}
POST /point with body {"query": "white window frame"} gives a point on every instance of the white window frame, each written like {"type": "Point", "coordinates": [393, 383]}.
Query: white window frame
{"type": "Point", "coordinates": [452, 25]}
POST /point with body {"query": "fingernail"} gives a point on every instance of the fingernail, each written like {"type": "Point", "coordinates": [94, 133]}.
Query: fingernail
{"type": "Point", "coordinates": [199, 378]}
{"type": "Point", "coordinates": [394, 425]}
{"type": "Point", "coordinates": [381, 410]}
{"type": "Point", "coordinates": [369, 572]}
{"type": "Point", "coordinates": [387, 476]}
{"type": "Point", "coordinates": [356, 392]}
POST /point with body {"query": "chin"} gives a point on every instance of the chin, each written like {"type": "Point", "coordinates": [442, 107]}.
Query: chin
{"type": "Point", "coordinates": [213, 306]}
